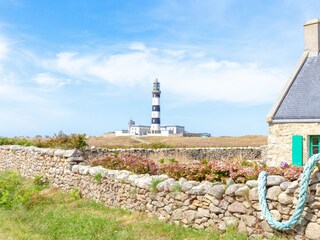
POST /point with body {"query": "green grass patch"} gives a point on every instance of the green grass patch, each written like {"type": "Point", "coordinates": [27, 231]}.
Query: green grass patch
{"type": "Point", "coordinates": [154, 184]}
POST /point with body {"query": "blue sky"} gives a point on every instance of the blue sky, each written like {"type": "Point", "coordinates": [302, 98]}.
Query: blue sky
{"type": "Point", "coordinates": [88, 66]}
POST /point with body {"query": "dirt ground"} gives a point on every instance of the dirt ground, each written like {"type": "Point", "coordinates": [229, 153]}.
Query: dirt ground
{"type": "Point", "coordinates": [222, 141]}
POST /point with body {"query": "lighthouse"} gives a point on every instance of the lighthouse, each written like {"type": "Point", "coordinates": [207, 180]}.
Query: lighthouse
{"type": "Point", "coordinates": [155, 115]}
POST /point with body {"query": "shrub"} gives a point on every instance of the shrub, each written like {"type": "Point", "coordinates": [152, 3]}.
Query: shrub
{"type": "Point", "coordinates": [62, 140]}
{"type": "Point", "coordinates": [127, 162]}
{"type": "Point", "coordinates": [14, 191]}
{"type": "Point", "coordinates": [157, 145]}
{"type": "Point", "coordinates": [15, 141]}
{"type": "Point", "coordinates": [98, 177]}
{"type": "Point", "coordinates": [59, 140]}
{"type": "Point", "coordinates": [213, 170]}
{"type": "Point", "coordinates": [75, 194]}
{"type": "Point", "coordinates": [40, 182]}
{"type": "Point", "coordinates": [172, 160]}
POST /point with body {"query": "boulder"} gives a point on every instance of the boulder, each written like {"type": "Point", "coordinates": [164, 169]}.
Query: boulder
{"type": "Point", "coordinates": [292, 187]}
{"type": "Point", "coordinates": [230, 191]}
{"type": "Point", "coordinates": [218, 191]}
{"type": "Point", "coordinates": [203, 213]}
{"type": "Point", "coordinates": [180, 196]}
{"type": "Point", "coordinates": [190, 215]}
{"type": "Point", "coordinates": [312, 231]}
{"type": "Point", "coordinates": [75, 169]}
{"type": "Point", "coordinates": [265, 226]}
{"type": "Point", "coordinates": [229, 181]}
{"type": "Point", "coordinates": [252, 183]}
{"type": "Point", "coordinates": [242, 191]}
{"type": "Point", "coordinates": [198, 190]}
{"type": "Point", "coordinates": [253, 194]}
{"type": "Point", "coordinates": [284, 199]}
{"type": "Point", "coordinates": [176, 214]}
{"type": "Point", "coordinates": [273, 193]}
{"type": "Point", "coordinates": [186, 186]}
{"type": "Point", "coordinates": [276, 215]}
{"type": "Point", "coordinates": [274, 180]}
{"type": "Point", "coordinates": [215, 209]}
{"type": "Point", "coordinates": [237, 207]}
{"type": "Point", "coordinates": [98, 170]}
{"type": "Point", "coordinates": [249, 220]}
{"type": "Point", "coordinates": [284, 185]}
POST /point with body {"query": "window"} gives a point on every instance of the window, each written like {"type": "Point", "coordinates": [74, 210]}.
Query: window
{"type": "Point", "coordinates": [314, 145]}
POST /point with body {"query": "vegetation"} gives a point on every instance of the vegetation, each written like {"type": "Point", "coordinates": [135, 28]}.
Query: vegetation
{"type": "Point", "coordinates": [127, 162]}
{"type": "Point", "coordinates": [33, 212]}
{"type": "Point", "coordinates": [154, 184]}
{"type": "Point", "coordinates": [98, 177]}
{"type": "Point", "coordinates": [59, 140]}
{"type": "Point", "coordinates": [176, 142]}
{"type": "Point", "coordinates": [15, 141]}
{"type": "Point", "coordinates": [176, 188]}
{"type": "Point", "coordinates": [157, 145]}
{"type": "Point", "coordinates": [210, 170]}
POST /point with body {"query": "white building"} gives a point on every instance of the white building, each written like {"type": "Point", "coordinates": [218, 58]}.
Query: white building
{"type": "Point", "coordinates": [140, 130]}
{"type": "Point", "coordinates": [120, 133]}
{"type": "Point", "coordinates": [173, 129]}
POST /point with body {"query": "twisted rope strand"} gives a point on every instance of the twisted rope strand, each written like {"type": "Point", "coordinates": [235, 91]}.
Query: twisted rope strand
{"type": "Point", "coordinates": [297, 214]}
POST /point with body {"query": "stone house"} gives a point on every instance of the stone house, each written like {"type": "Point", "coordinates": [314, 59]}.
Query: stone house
{"type": "Point", "coordinates": [294, 120]}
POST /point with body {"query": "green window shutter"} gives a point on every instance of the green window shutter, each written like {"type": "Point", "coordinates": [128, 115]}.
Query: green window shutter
{"type": "Point", "coordinates": [297, 150]}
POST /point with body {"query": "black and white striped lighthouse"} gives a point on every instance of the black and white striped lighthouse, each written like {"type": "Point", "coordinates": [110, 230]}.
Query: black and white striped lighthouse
{"type": "Point", "coordinates": [155, 115]}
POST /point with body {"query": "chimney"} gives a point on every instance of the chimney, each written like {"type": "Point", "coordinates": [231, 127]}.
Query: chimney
{"type": "Point", "coordinates": [312, 36]}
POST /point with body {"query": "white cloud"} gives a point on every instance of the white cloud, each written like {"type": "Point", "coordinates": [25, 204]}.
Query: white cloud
{"type": "Point", "coordinates": [137, 46]}
{"type": "Point", "coordinates": [180, 73]}
{"type": "Point", "coordinates": [47, 80]}
{"type": "Point", "coordinates": [4, 48]}
{"type": "Point", "coordinates": [14, 93]}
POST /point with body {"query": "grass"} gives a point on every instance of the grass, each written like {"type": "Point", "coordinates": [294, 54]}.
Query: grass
{"type": "Point", "coordinates": [172, 141]}
{"type": "Point", "coordinates": [154, 184]}
{"type": "Point", "coordinates": [88, 220]}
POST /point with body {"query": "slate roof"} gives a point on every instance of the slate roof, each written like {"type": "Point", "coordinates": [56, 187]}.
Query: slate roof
{"type": "Point", "coordinates": [302, 100]}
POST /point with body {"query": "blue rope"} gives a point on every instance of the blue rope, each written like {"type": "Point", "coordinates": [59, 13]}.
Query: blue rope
{"type": "Point", "coordinates": [297, 214]}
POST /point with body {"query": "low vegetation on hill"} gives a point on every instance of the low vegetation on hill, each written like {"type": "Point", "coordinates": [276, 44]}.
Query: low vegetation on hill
{"type": "Point", "coordinates": [213, 170]}
{"type": "Point", "coordinates": [175, 142]}
{"type": "Point", "coordinates": [29, 209]}
{"type": "Point", "coordinates": [80, 141]}
{"type": "Point", "coordinates": [59, 140]}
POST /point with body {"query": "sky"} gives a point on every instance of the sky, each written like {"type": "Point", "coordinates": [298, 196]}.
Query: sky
{"type": "Point", "coordinates": [88, 66]}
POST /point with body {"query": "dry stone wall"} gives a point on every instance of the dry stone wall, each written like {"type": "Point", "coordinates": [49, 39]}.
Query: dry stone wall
{"type": "Point", "coordinates": [184, 154]}
{"type": "Point", "coordinates": [201, 205]}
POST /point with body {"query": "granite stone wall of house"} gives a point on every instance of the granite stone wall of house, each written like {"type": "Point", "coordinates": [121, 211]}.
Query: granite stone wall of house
{"type": "Point", "coordinates": [201, 205]}
{"type": "Point", "coordinates": [280, 141]}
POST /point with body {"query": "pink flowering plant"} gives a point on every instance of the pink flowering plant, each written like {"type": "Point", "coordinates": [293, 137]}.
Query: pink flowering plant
{"type": "Point", "coordinates": [210, 170]}
{"type": "Point", "coordinates": [284, 165]}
